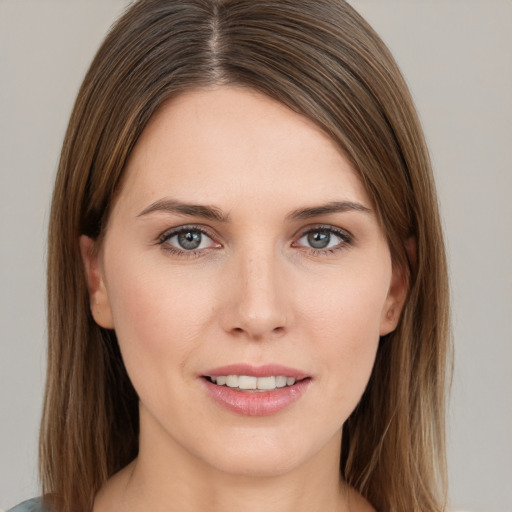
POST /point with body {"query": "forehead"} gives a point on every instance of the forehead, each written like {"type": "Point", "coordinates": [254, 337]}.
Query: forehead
{"type": "Point", "coordinates": [224, 144]}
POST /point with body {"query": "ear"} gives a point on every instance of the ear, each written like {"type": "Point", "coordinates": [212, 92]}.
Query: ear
{"type": "Point", "coordinates": [98, 296]}
{"type": "Point", "coordinates": [398, 290]}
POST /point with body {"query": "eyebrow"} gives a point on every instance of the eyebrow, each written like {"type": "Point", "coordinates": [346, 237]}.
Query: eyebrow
{"type": "Point", "coordinates": [326, 209]}
{"type": "Point", "coordinates": [192, 210]}
{"type": "Point", "coordinates": [214, 213]}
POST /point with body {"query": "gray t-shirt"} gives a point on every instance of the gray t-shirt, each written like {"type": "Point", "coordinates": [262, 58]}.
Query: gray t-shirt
{"type": "Point", "coordinates": [33, 505]}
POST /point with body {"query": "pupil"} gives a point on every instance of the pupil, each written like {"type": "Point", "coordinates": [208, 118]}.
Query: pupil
{"type": "Point", "coordinates": [189, 240]}
{"type": "Point", "coordinates": [319, 239]}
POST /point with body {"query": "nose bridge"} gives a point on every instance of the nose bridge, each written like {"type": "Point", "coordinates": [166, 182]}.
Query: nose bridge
{"type": "Point", "coordinates": [258, 305]}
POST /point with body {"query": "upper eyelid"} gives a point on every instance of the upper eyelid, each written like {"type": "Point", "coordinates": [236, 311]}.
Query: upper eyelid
{"type": "Point", "coordinates": [169, 233]}
{"type": "Point", "coordinates": [163, 241]}
{"type": "Point", "coordinates": [324, 227]}
{"type": "Point", "coordinates": [338, 231]}
{"type": "Point", "coordinates": [346, 240]}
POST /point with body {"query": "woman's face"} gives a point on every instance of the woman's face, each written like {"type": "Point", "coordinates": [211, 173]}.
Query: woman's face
{"type": "Point", "coordinates": [243, 251]}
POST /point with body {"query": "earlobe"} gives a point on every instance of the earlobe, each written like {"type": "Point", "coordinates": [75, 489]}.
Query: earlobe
{"type": "Point", "coordinates": [394, 301]}
{"type": "Point", "coordinates": [399, 288]}
{"type": "Point", "coordinates": [98, 296]}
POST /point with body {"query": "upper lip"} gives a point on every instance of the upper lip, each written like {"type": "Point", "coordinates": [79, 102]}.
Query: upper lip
{"type": "Point", "coordinates": [266, 370]}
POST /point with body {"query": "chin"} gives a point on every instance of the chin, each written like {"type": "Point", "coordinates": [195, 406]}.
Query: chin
{"type": "Point", "coordinates": [261, 465]}
{"type": "Point", "coordinates": [268, 455]}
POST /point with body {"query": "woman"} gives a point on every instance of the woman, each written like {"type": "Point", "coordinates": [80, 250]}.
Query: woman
{"type": "Point", "coordinates": [247, 282]}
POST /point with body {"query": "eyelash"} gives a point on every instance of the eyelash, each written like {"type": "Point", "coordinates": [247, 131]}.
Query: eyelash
{"type": "Point", "coordinates": [345, 237]}
{"type": "Point", "coordinates": [167, 235]}
{"type": "Point", "coordinates": [346, 240]}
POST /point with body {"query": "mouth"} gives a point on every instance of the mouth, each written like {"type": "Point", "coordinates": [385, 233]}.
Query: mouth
{"type": "Point", "coordinates": [250, 383]}
{"type": "Point", "coordinates": [256, 391]}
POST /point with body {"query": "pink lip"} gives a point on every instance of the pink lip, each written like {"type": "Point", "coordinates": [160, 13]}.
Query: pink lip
{"type": "Point", "coordinates": [266, 370]}
{"type": "Point", "coordinates": [256, 403]}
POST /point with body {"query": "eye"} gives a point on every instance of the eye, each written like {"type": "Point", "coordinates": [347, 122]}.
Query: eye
{"type": "Point", "coordinates": [326, 239]}
{"type": "Point", "coordinates": [186, 239]}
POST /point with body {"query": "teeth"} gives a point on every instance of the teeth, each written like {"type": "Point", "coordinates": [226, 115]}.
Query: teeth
{"type": "Point", "coordinates": [280, 382]}
{"type": "Point", "coordinates": [232, 381]}
{"type": "Point", "coordinates": [267, 383]}
{"type": "Point", "coordinates": [246, 382]}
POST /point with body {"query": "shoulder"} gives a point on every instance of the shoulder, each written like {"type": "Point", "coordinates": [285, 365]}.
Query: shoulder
{"type": "Point", "coordinates": [33, 505]}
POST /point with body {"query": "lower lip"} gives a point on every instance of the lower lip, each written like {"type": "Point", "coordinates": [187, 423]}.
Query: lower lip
{"type": "Point", "coordinates": [256, 403]}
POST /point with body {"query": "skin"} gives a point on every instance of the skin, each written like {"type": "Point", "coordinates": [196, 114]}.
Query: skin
{"type": "Point", "coordinates": [254, 292]}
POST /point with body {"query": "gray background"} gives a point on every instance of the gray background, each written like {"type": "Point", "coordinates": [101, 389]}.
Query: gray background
{"type": "Point", "coordinates": [457, 57]}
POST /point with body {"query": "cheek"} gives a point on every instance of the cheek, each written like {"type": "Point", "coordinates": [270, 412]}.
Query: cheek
{"type": "Point", "coordinates": [158, 315]}
{"type": "Point", "coordinates": [348, 306]}
{"type": "Point", "coordinates": [345, 320]}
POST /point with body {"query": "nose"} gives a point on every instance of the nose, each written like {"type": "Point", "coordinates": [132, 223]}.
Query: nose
{"type": "Point", "coordinates": [256, 303]}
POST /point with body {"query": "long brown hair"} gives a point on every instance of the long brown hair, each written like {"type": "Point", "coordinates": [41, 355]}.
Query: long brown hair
{"type": "Point", "coordinates": [321, 59]}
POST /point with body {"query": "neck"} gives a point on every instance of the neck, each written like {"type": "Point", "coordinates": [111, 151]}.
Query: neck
{"type": "Point", "coordinates": [216, 492]}
{"type": "Point", "coordinates": [166, 477]}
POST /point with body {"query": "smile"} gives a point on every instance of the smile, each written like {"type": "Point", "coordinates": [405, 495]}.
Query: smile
{"type": "Point", "coordinates": [251, 383]}
{"type": "Point", "coordinates": [255, 390]}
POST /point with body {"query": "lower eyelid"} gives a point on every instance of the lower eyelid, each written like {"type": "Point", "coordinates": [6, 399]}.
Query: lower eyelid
{"type": "Point", "coordinates": [164, 242]}
{"type": "Point", "coordinates": [345, 240]}
{"type": "Point", "coordinates": [172, 251]}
